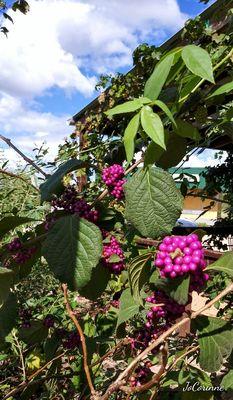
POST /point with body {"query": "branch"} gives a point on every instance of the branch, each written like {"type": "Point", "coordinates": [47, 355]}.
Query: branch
{"type": "Point", "coordinates": [82, 338]}
{"type": "Point", "coordinates": [28, 160]}
{"type": "Point", "coordinates": [2, 171]}
{"type": "Point", "coordinates": [207, 197]}
{"type": "Point", "coordinates": [121, 378]}
{"type": "Point", "coordinates": [20, 356]}
{"type": "Point", "coordinates": [154, 380]}
{"type": "Point", "coordinates": [24, 384]}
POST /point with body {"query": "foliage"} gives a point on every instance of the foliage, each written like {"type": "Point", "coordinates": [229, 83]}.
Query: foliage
{"type": "Point", "coordinates": [95, 298]}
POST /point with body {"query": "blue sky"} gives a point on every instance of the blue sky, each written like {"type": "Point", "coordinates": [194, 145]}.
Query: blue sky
{"type": "Point", "coordinates": [54, 55]}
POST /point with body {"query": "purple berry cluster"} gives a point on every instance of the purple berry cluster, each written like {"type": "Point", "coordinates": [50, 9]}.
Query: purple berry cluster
{"type": "Point", "coordinates": [25, 316]}
{"type": "Point", "coordinates": [110, 249]}
{"type": "Point", "coordinates": [20, 255]}
{"type": "Point", "coordinates": [140, 375]}
{"type": "Point", "coordinates": [113, 178]}
{"type": "Point", "coordinates": [49, 321]}
{"type": "Point", "coordinates": [70, 202]}
{"type": "Point", "coordinates": [179, 255]}
{"type": "Point", "coordinates": [71, 341]}
{"type": "Point", "coordinates": [164, 307]}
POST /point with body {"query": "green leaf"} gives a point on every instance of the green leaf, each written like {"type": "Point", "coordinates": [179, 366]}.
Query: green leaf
{"type": "Point", "coordinates": [223, 264]}
{"type": "Point", "coordinates": [139, 271]}
{"type": "Point", "coordinates": [11, 222]}
{"type": "Point", "coordinates": [128, 106]}
{"type": "Point", "coordinates": [51, 345]}
{"type": "Point", "coordinates": [228, 87]}
{"type": "Point", "coordinates": [171, 158]}
{"type": "Point", "coordinates": [153, 203]}
{"type": "Point", "coordinates": [72, 248]}
{"type": "Point", "coordinates": [198, 61]}
{"type": "Point", "coordinates": [128, 307]}
{"type": "Point", "coordinates": [177, 288]}
{"type": "Point", "coordinates": [98, 282]}
{"type": "Point", "coordinates": [153, 153]}
{"type": "Point", "coordinates": [215, 338]}
{"type": "Point", "coordinates": [53, 184]}
{"type": "Point", "coordinates": [227, 382]}
{"type": "Point", "coordinates": [8, 315]}
{"type": "Point", "coordinates": [165, 109]}
{"type": "Point", "coordinates": [129, 136]}
{"type": "Point", "coordinates": [187, 130]}
{"type": "Point", "coordinates": [6, 281]}
{"type": "Point", "coordinates": [36, 333]}
{"type": "Point", "coordinates": [153, 126]}
{"type": "Point", "coordinates": [158, 78]}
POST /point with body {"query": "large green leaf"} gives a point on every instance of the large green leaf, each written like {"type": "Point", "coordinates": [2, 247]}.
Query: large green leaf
{"type": "Point", "coordinates": [129, 136]}
{"type": "Point", "coordinates": [11, 222]}
{"type": "Point", "coordinates": [128, 106]}
{"type": "Point", "coordinates": [165, 109]}
{"type": "Point", "coordinates": [153, 153]}
{"type": "Point", "coordinates": [177, 289]}
{"type": "Point", "coordinates": [128, 307]}
{"type": "Point", "coordinates": [215, 338]}
{"type": "Point", "coordinates": [153, 203]}
{"type": "Point", "coordinates": [198, 61]}
{"type": "Point", "coordinates": [139, 271]}
{"type": "Point", "coordinates": [227, 382]}
{"type": "Point", "coordinates": [36, 333]}
{"type": "Point", "coordinates": [6, 281]}
{"type": "Point", "coordinates": [158, 78]}
{"type": "Point", "coordinates": [228, 87]}
{"type": "Point", "coordinates": [153, 126]}
{"type": "Point", "coordinates": [187, 130]}
{"type": "Point", "coordinates": [53, 184]}
{"type": "Point", "coordinates": [171, 158]}
{"type": "Point", "coordinates": [98, 282]}
{"type": "Point", "coordinates": [223, 264]}
{"type": "Point", "coordinates": [72, 248]}
{"type": "Point", "coordinates": [8, 315]}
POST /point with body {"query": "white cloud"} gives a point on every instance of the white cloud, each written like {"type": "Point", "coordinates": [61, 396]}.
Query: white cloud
{"type": "Point", "coordinates": [28, 128]}
{"type": "Point", "coordinates": [206, 159]}
{"type": "Point", "coordinates": [59, 39]}
{"type": "Point", "coordinates": [66, 44]}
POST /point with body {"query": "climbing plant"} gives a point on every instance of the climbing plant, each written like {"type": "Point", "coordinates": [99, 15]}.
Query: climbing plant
{"type": "Point", "coordinates": [132, 309]}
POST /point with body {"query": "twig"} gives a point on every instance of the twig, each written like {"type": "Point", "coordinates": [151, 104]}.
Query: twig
{"type": "Point", "coordinates": [82, 338]}
{"type": "Point", "coordinates": [20, 356]}
{"type": "Point", "coordinates": [30, 380]}
{"type": "Point", "coordinates": [121, 378]}
{"type": "Point", "coordinates": [24, 384]}
{"type": "Point", "coordinates": [28, 160]}
{"type": "Point", "coordinates": [154, 380]}
{"type": "Point", "coordinates": [189, 351]}
{"type": "Point", "coordinates": [207, 197]}
{"type": "Point", "coordinates": [2, 171]}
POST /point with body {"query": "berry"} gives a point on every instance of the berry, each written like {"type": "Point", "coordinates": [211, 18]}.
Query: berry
{"type": "Point", "coordinates": [49, 321]}
{"type": "Point", "coordinates": [70, 202]}
{"type": "Point", "coordinates": [20, 255]}
{"type": "Point", "coordinates": [179, 255]}
{"type": "Point", "coordinates": [113, 178]}
{"type": "Point", "coordinates": [110, 249]}
{"type": "Point", "coordinates": [72, 341]}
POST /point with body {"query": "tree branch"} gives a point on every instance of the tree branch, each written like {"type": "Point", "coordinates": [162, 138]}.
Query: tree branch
{"type": "Point", "coordinates": [121, 378]}
{"type": "Point", "coordinates": [82, 338]}
{"type": "Point", "coordinates": [2, 171]}
{"type": "Point", "coordinates": [28, 160]}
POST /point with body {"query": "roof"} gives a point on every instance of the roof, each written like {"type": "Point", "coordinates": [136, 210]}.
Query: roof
{"type": "Point", "coordinates": [219, 6]}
